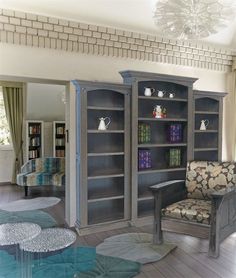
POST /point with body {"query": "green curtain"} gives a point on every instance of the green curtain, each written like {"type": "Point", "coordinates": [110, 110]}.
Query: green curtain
{"type": "Point", "coordinates": [14, 106]}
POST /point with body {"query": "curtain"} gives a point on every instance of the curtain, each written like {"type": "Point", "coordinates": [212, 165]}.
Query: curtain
{"type": "Point", "coordinates": [230, 116]}
{"type": "Point", "coordinates": [14, 106]}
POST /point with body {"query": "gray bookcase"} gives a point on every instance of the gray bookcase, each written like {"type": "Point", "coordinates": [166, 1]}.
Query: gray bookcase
{"type": "Point", "coordinates": [178, 111]}
{"type": "Point", "coordinates": [208, 143]}
{"type": "Point", "coordinates": [103, 156]}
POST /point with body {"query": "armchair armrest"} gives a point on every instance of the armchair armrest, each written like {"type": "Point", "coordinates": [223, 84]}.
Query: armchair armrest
{"type": "Point", "coordinates": [225, 193]}
{"type": "Point", "coordinates": [165, 185]}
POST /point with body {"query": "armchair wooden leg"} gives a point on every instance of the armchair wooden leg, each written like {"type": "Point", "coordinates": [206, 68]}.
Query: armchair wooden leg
{"type": "Point", "coordinates": [214, 236]}
{"type": "Point", "coordinates": [157, 231]}
{"type": "Point", "coordinates": [26, 190]}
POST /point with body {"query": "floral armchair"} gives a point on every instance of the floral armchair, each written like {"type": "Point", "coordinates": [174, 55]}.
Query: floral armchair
{"type": "Point", "coordinates": [42, 171]}
{"type": "Point", "coordinates": [207, 198]}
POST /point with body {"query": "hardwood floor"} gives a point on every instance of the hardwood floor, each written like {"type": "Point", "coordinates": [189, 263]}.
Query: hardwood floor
{"type": "Point", "coordinates": [188, 260]}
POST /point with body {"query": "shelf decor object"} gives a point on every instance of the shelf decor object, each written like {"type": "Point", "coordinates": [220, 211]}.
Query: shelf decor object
{"type": "Point", "coordinates": [34, 139]}
{"type": "Point", "coordinates": [103, 156]}
{"type": "Point", "coordinates": [144, 159]}
{"type": "Point", "coordinates": [174, 157]}
{"type": "Point", "coordinates": [144, 133]}
{"type": "Point", "coordinates": [179, 111]}
{"type": "Point", "coordinates": [193, 19]}
{"type": "Point", "coordinates": [174, 133]}
{"type": "Point", "coordinates": [207, 125]}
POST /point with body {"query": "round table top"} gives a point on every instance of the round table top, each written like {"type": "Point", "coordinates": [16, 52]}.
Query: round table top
{"type": "Point", "coordinates": [14, 233]}
{"type": "Point", "coordinates": [51, 239]}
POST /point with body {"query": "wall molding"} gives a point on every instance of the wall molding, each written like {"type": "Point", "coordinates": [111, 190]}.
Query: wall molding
{"type": "Point", "coordinates": [34, 30]}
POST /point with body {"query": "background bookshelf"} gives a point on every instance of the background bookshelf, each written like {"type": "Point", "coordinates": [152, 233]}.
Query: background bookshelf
{"type": "Point", "coordinates": [159, 145]}
{"type": "Point", "coordinates": [103, 167]}
{"type": "Point", "coordinates": [59, 139]}
{"type": "Point", "coordinates": [208, 143]}
{"type": "Point", "coordinates": [34, 139]}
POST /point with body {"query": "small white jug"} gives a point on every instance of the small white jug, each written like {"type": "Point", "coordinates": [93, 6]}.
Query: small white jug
{"type": "Point", "coordinates": [161, 93]}
{"type": "Point", "coordinates": [171, 95]}
{"type": "Point", "coordinates": [149, 91]}
{"type": "Point", "coordinates": [204, 124]}
{"type": "Point", "coordinates": [102, 123]}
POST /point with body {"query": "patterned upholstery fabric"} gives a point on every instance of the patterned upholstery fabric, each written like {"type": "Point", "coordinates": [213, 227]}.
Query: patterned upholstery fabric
{"type": "Point", "coordinates": [43, 171]}
{"type": "Point", "coordinates": [203, 178]}
{"type": "Point", "coordinates": [193, 210]}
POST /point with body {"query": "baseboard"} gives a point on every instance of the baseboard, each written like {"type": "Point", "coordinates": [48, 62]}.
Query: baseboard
{"type": "Point", "coordinates": [6, 183]}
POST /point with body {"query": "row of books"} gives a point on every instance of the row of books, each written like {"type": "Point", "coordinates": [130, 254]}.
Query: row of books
{"type": "Point", "coordinates": [34, 154]}
{"type": "Point", "coordinates": [34, 129]}
{"type": "Point", "coordinates": [60, 153]}
{"type": "Point", "coordinates": [34, 142]}
{"type": "Point", "coordinates": [174, 133]}
{"type": "Point", "coordinates": [60, 130]}
{"type": "Point", "coordinates": [60, 142]}
{"type": "Point", "coordinates": [145, 158]}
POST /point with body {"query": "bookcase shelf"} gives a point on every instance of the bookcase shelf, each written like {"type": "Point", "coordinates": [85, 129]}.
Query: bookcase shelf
{"type": "Point", "coordinates": [208, 143]}
{"type": "Point", "coordinates": [34, 139]}
{"type": "Point", "coordinates": [103, 182]}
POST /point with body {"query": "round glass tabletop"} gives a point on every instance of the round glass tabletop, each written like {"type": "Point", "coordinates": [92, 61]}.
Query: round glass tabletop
{"type": "Point", "coordinates": [14, 233]}
{"type": "Point", "coordinates": [51, 239]}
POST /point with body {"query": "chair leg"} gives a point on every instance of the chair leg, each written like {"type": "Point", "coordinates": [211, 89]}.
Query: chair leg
{"type": "Point", "coordinates": [157, 231]}
{"type": "Point", "coordinates": [214, 236]}
{"type": "Point", "coordinates": [26, 190]}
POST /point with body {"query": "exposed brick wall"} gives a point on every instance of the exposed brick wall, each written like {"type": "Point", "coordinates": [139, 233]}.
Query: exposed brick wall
{"type": "Point", "coordinates": [48, 32]}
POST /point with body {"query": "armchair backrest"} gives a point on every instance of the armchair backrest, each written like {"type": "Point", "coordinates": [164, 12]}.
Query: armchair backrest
{"type": "Point", "coordinates": [50, 164]}
{"type": "Point", "coordinates": [205, 177]}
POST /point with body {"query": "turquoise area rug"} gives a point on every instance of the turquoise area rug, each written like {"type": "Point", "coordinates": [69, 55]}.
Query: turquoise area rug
{"type": "Point", "coordinates": [80, 262]}
{"type": "Point", "coordinates": [42, 218]}
{"type": "Point", "coordinates": [136, 247]}
{"type": "Point", "coordinates": [30, 204]}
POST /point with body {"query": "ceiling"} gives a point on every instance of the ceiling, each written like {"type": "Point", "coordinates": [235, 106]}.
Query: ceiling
{"type": "Point", "coordinates": [134, 15]}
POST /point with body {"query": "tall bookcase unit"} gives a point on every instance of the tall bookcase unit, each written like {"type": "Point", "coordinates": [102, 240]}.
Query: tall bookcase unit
{"type": "Point", "coordinates": [59, 139]}
{"type": "Point", "coordinates": [103, 156]}
{"type": "Point", "coordinates": [208, 107]}
{"type": "Point", "coordinates": [178, 110]}
{"type": "Point", "coordinates": [34, 139]}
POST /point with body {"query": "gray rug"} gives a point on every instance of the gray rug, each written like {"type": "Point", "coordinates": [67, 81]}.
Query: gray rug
{"type": "Point", "coordinates": [136, 247]}
{"type": "Point", "coordinates": [30, 204]}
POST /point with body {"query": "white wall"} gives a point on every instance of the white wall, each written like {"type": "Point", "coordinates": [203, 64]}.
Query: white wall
{"type": "Point", "coordinates": [62, 65]}
{"type": "Point", "coordinates": [6, 165]}
{"type": "Point", "coordinates": [44, 102]}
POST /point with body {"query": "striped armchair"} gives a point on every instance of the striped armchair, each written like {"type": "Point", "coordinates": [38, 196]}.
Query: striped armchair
{"type": "Point", "coordinates": [42, 171]}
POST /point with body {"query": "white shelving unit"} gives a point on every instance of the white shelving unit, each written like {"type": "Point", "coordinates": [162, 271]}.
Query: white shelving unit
{"type": "Point", "coordinates": [59, 139]}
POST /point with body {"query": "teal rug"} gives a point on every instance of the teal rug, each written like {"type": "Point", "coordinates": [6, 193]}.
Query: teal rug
{"type": "Point", "coordinates": [80, 262]}
{"type": "Point", "coordinates": [42, 218]}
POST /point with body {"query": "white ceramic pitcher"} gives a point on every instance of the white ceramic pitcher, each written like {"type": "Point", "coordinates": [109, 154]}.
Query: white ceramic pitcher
{"type": "Point", "coordinates": [204, 124]}
{"type": "Point", "coordinates": [102, 124]}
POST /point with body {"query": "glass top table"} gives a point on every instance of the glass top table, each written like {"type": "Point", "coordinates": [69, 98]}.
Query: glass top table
{"type": "Point", "coordinates": [15, 233]}
{"type": "Point", "coordinates": [51, 239]}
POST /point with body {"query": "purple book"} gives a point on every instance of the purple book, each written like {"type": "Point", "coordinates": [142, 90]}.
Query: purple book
{"type": "Point", "coordinates": [174, 133]}
{"type": "Point", "coordinates": [144, 159]}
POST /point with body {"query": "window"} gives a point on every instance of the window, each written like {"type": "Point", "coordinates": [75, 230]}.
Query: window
{"type": "Point", "coordinates": [4, 128]}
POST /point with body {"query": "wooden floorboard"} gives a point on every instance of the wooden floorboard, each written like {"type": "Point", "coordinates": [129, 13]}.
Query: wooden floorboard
{"type": "Point", "coordinates": [188, 260]}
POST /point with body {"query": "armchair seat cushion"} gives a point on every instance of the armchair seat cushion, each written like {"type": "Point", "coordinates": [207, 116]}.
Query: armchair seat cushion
{"type": "Point", "coordinates": [37, 178]}
{"type": "Point", "coordinates": [193, 210]}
